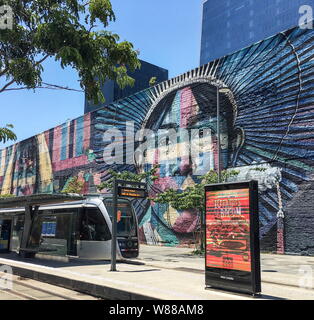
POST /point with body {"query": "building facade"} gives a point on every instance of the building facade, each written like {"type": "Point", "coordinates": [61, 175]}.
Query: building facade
{"type": "Point", "coordinates": [229, 25]}
{"type": "Point", "coordinates": [267, 122]}
{"type": "Point", "coordinates": [112, 92]}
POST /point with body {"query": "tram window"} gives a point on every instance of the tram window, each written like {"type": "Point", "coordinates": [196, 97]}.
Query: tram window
{"type": "Point", "coordinates": [94, 226]}
{"type": "Point", "coordinates": [66, 223]}
{"type": "Point", "coordinates": [55, 231]}
{"type": "Point", "coordinates": [126, 225]}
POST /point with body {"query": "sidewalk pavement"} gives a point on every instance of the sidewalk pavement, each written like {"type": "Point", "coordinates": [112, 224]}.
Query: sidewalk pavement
{"type": "Point", "coordinates": [163, 273]}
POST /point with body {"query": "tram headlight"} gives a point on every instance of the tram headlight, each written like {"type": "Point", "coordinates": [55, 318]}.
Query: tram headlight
{"type": "Point", "coordinates": [128, 244]}
{"type": "Point", "coordinates": [121, 244]}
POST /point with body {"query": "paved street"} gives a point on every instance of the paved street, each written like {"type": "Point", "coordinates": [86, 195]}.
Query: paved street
{"type": "Point", "coordinates": [177, 257]}
{"type": "Point", "coordinates": [284, 270]}
{"type": "Point", "coordinates": [164, 273]}
{"type": "Point", "coordinates": [28, 289]}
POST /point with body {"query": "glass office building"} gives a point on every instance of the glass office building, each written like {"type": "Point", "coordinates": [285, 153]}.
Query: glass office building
{"type": "Point", "coordinates": [112, 92]}
{"type": "Point", "coordinates": [229, 25]}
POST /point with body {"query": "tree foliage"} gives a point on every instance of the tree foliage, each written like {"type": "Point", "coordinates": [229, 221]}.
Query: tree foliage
{"type": "Point", "coordinates": [7, 134]}
{"type": "Point", "coordinates": [65, 30]}
{"type": "Point", "coordinates": [4, 196]}
{"type": "Point", "coordinates": [73, 185]}
{"type": "Point", "coordinates": [192, 197]}
{"type": "Point", "coordinates": [128, 176]}
{"type": "Point", "coordinates": [152, 81]}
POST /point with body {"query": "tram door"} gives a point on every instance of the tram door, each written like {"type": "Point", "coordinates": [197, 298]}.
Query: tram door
{"type": "Point", "coordinates": [5, 232]}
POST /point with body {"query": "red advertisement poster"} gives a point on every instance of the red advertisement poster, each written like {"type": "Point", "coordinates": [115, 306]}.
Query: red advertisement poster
{"type": "Point", "coordinates": [228, 229]}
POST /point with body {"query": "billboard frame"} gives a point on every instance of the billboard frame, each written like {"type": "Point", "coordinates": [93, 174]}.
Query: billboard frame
{"type": "Point", "coordinates": [238, 280]}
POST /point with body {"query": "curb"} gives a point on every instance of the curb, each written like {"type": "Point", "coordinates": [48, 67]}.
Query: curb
{"type": "Point", "coordinates": [92, 289]}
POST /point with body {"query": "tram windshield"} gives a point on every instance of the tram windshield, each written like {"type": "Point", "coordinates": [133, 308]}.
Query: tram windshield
{"type": "Point", "coordinates": [126, 224]}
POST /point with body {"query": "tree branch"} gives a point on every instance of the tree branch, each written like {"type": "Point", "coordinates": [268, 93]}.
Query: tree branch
{"type": "Point", "coordinates": [48, 86]}
{"type": "Point", "coordinates": [42, 60]}
{"type": "Point", "coordinates": [7, 85]}
{"type": "Point", "coordinates": [55, 86]}
{"type": "Point", "coordinates": [4, 88]}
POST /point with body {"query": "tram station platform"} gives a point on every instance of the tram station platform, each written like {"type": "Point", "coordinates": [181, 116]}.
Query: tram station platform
{"type": "Point", "coordinates": [165, 273]}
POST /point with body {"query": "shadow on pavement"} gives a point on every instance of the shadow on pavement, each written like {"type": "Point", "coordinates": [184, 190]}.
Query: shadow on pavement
{"type": "Point", "coordinates": [60, 264]}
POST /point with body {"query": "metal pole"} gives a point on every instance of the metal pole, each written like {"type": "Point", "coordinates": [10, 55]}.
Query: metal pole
{"type": "Point", "coordinates": [114, 228]}
{"type": "Point", "coordinates": [218, 135]}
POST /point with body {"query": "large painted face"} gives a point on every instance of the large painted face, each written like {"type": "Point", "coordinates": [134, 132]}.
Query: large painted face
{"type": "Point", "coordinates": [185, 125]}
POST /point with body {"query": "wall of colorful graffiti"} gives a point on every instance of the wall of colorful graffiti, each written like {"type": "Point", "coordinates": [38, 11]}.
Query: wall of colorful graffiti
{"type": "Point", "coordinates": [44, 163]}
{"type": "Point", "coordinates": [267, 122]}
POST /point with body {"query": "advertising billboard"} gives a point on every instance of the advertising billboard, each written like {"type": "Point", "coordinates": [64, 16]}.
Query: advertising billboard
{"type": "Point", "coordinates": [232, 259]}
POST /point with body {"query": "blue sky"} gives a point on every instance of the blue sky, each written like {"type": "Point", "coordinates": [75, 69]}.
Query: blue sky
{"type": "Point", "coordinates": [167, 33]}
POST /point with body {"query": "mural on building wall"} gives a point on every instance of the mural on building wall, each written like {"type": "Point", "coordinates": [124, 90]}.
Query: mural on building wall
{"type": "Point", "coordinates": [267, 119]}
{"type": "Point", "coordinates": [44, 163]}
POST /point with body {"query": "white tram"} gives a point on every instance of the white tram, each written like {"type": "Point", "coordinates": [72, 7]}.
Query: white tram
{"type": "Point", "coordinates": [58, 226]}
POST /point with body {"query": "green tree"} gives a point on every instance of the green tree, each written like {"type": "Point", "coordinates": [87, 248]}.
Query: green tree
{"type": "Point", "coordinates": [63, 30]}
{"type": "Point", "coordinates": [128, 176]}
{"type": "Point", "coordinates": [193, 197]}
{"type": "Point", "coordinates": [4, 196]}
{"type": "Point", "coordinates": [7, 134]}
{"type": "Point", "coordinates": [152, 81]}
{"type": "Point", "coordinates": [73, 185]}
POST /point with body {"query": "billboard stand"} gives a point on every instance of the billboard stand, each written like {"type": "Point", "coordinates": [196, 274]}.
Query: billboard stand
{"type": "Point", "coordinates": [232, 253]}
